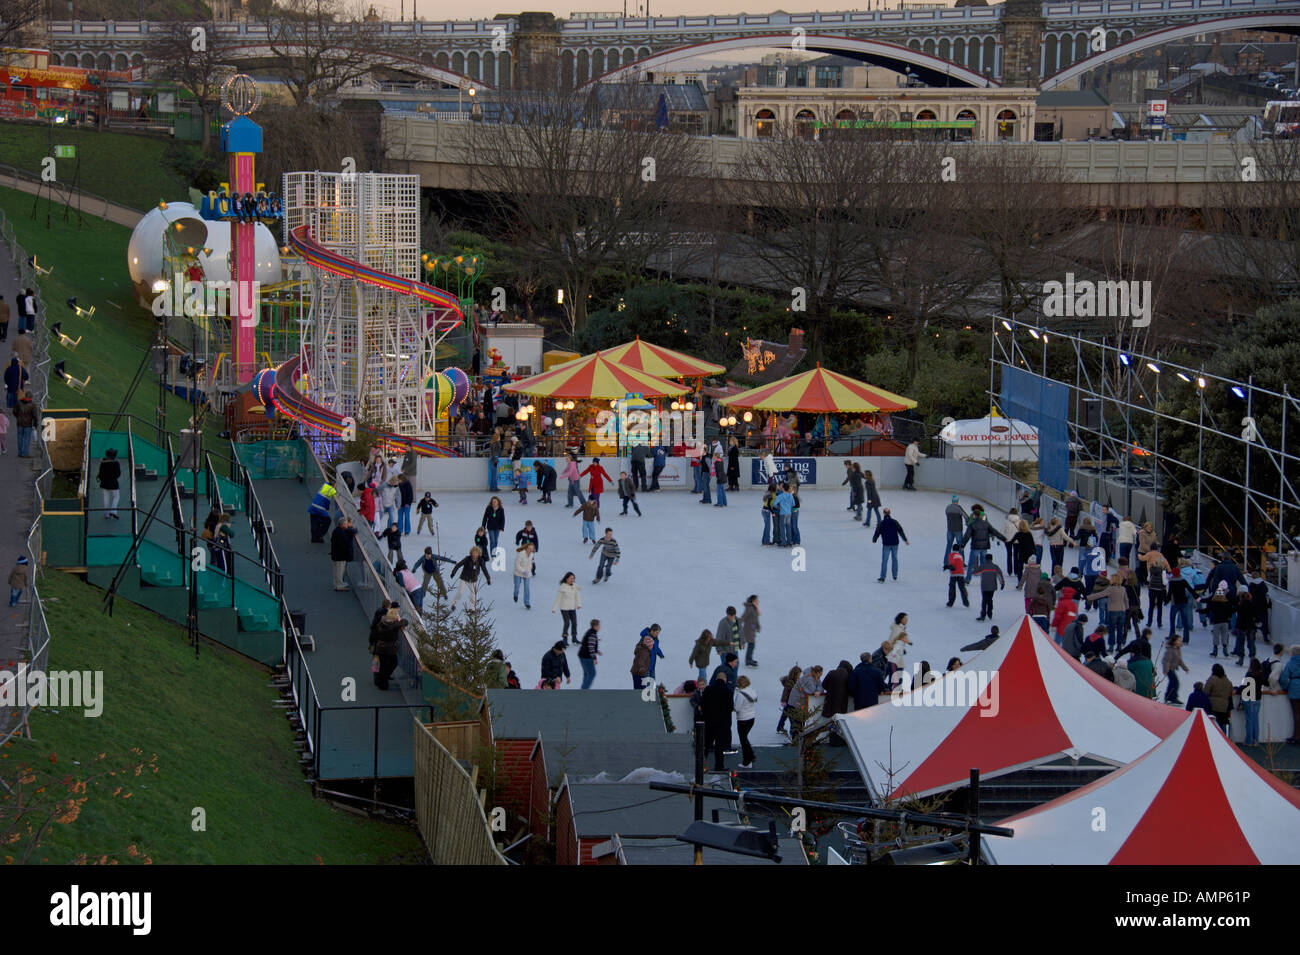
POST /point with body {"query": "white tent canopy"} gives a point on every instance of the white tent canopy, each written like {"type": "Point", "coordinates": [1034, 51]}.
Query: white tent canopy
{"type": "Point", "coordinates": [1194, 799]}
{"type": "Point", "coordinates": [1020, 702]}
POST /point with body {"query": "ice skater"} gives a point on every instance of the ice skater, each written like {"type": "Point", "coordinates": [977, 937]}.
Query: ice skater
{"type": "Point", "coordinates": [990, 579]}
{"type": "Point", "coordinates": [627, 492]}
{"type": "Point", "coordinates": [470, 567]}
{"type": "Point", "coordinates": [598, 477]}
{"type": "Point", "coordinates": [609, 555]}
{"type": "Point", "coordinates": [956, 578]}
{"type": "Point", "coordinates": [590, 511]}
{"type": "Point", "coordinates": [889, 532]}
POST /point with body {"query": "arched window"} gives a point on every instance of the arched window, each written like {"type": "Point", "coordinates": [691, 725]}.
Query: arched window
{"type": "Point", "coordinates": [805, 124]}
{"type": "Point", "coordinates": [120, 62]}
{"type": "Point", "coordinates": [764, 123]}
{"type": "Point", "coordinates": [87, 61]}
{"type": "Point", "coordinates": [471, 65]}
{"type": "Point", "coordinates": [845, 116]}
{"type": "Point", "coordinates": [584, 66]}
{"type": "Point", "coordinates": [967, 116]}
{"type": "Point", "coordinates": [105, 61]}
{"type": "Point", "coordinates": [458, 62]}
{"type": "Point", "coordinates": [1006, 124]}
{"type": "Point", "coordinates": [441, 60]}
{"type": "Point", "coordinates": [926, 115]}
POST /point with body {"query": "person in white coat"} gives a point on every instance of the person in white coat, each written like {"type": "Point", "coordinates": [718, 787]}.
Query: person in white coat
{"type": "Point", "coordinates": [1010, 527]}
{"type": "Point", "coordinates": [744, 702]}
{"type": "Point", "coordinates": [911, 458]}
{"type": "Point", "coordinates": [524, 573]}
{"type": "Point", "coordinates": [568, 601]}
{"type": "Point", "coordinates": [1126, 536]}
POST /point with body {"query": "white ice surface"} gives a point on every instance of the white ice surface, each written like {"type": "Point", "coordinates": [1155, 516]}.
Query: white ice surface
{"type": "Point", "coordinates": [683, 562]}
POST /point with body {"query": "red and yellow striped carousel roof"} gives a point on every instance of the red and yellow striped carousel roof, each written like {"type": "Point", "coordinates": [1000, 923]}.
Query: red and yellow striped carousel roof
{"type": "Point", "coordinates": [657, 360]}
{"type": "Point", "coordinates": [821, 391]}
{"type": "Point", "coordinates": [594, 376]}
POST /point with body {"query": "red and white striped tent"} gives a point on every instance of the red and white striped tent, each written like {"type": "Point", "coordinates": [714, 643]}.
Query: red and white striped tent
{"type": "Point", "coordinates": [1194, 799]}
{"type": "Point", "coordinates": [1021, 702]}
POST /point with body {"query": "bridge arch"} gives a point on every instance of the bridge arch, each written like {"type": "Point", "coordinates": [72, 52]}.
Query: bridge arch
{"type": "Point", "coordinates": [1283, 22]}
{"type": "Point", "coordinates": [929, 67]}
{"type": "Point", "coordinates": [412, 64]}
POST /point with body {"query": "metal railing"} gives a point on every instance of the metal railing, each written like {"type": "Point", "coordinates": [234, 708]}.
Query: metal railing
{"type": "Point", "coordinates": [261, 534]}
{"type": "Point", "coordinates": [37, 642]}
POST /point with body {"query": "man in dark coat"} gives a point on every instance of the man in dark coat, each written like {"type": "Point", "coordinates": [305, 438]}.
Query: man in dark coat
{"type": "Point", "coordinates": [555, 665]}
{"type": "Point", "coordinates": [717, 703]}
{"type": "Point", "coordinates": [836, 685]}
{"type": "Point", "coordinates": [866, 684]}
{"type": "Point", "coordinates": [342, 550]}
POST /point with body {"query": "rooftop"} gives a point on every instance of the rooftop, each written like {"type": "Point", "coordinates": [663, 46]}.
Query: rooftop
{"type": "Point", "coordinates": [594, 715]}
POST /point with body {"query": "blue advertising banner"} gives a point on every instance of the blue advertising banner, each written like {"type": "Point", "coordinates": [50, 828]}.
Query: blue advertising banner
{"type": "Point", "coordinates": [805, 468]}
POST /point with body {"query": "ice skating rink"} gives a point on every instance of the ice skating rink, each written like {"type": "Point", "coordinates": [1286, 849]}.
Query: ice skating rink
{"type": "Point", "coordinates": [684, 562]}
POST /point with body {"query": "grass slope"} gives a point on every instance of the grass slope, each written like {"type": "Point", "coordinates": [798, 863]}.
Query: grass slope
{"type": "Point", "coordinates": [90, 265]}
{"type": "Point", "coordinates": [220, 744]}
{"type": "Point", "coordinates": [127, 169]}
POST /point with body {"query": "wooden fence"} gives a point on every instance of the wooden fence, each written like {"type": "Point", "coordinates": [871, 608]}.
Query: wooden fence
{"type": "Point", "coordinates": [451, 818]}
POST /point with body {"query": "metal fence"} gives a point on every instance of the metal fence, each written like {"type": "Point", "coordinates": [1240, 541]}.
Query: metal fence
{"type": "Point", "coordinates": [14, 721]}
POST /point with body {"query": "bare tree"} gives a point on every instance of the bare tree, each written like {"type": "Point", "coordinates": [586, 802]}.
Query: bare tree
{"type": "Point", "coordinates": [582, 180]}
{"type": "Point", "coordinates": [919, 263]}
{"type": "Point", "coordinates": [16, 16]}
{"type": "Point", "coordinates": [1258, 220]}
{"type": "Point", "coordinates": [306, 138]}
{"type": "Point", "coordinates": [1017, 206]}
{"type": "Point", "coordinates": [190, 54]}
{"type": "Point", "coordinates": [809, 232]}
{"type": "Point", "coordinates": [1147, 247]}
{"type": "Point", "coordinates": [319, 46]}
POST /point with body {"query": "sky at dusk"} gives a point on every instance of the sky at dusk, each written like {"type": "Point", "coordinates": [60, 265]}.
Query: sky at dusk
{"type": "Point", "coordinates": [486, 9]}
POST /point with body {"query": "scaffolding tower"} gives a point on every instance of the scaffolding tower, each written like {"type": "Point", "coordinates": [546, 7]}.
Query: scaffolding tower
{"type": "Point", "coordinates": [367, 350]}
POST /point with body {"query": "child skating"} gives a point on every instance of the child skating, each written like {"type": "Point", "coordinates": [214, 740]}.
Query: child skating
{"type": "Point", "coordinates": [609, 555]}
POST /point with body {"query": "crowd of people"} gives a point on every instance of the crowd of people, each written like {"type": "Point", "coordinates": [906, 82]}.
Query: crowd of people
{"type": "Point", "coordinates": [1088, 601]}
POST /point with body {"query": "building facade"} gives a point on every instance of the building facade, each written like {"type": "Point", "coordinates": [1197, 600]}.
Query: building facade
{"type": "Point", "coordinates": [982, 115]}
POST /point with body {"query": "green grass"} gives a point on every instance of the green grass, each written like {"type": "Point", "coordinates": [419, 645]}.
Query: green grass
{"type": "Point", "coordinates": [130, 170]}
{"type": "Point", "coordinates": [90, 264]}
{"type": "Point", "coordinates": [220, 743]}
{"type": "Point", "coordinates": [220, 746]}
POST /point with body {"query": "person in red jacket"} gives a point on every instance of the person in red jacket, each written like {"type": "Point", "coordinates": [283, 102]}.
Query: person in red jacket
{"type": "Point", "coordinates": [1066, 610]}
{"type": "Point", "coordinates": [595, 472]}
{"type": "Point", "coordinates": [956, 578]}
{"type": "Point", "coordinates": [367, 505]}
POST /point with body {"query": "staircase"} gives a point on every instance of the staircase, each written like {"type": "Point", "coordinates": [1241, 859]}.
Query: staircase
{"type": "Point", "coordinates": [1025, 789]}
{"type": "Point", "coordinates": [239, 609]}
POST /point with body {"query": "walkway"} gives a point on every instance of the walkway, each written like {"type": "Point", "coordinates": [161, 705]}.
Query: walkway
{"type": "Point", "coordinates": [349, 727]}
{"type": "Point", "coordinates": [17, 490]}
{"type": "Point", "coordinates": [90, 205]}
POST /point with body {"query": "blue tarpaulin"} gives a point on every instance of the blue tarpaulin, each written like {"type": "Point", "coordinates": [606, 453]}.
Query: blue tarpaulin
{"type": "Point", "coordinates": [1045, 404]}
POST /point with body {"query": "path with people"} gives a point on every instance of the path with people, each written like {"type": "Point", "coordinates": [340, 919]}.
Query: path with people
{"type": "Point", "coordinates": [17, 490]}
